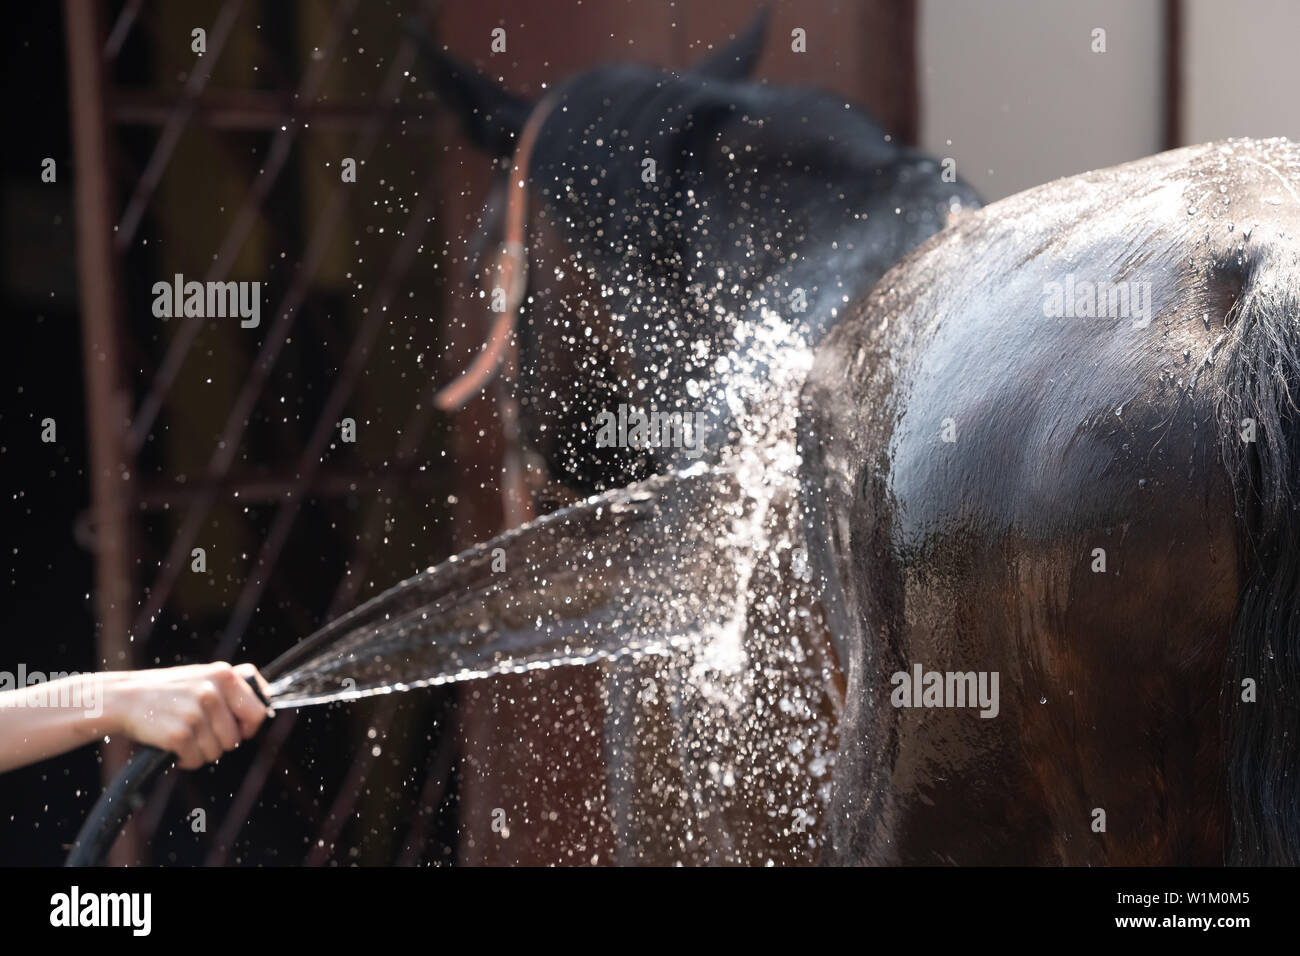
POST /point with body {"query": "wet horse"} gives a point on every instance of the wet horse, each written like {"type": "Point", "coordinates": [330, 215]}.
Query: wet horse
{"type": "Point", "coordinates": [664, 212]}
{"type": "Point", "coordinates": [1092, 500]}
{"type": "Point", "coordinates": [1097, 499]}
{"type": "Point", "coordinates": [688, 238]}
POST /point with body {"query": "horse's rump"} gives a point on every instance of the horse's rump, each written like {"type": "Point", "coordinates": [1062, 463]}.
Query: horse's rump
{"type": "Point", "coordinates": [1021, 440]}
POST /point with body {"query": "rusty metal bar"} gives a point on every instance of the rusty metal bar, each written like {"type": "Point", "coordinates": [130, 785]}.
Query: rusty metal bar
{"type": "Point", "coordinates": [107, 398]}
{"type": "Point", "coordinates": [255, 779]}
{"type": "Point", "coordinates": [346, 798]}
{"type": "Point", "coordinates": [237, 421]}
{"type": "Point", "coordinates": [171, 134]}
{"type": "Point", "coordinates": [344, 595]}
{"type": "Point", "coordinates": [309, 461]}
{"type": "Point", "coordinates": [327, 424]}
{"type": "Point", "coordinates": [258, 110]}
{"type": "Point", "coordinates": [245, 219]}
{"type": "Point", "coordinates": [121, 29]}
{"type": "Point", "coordinates": [430, 799]}
{"type": "Point", "coordinates": [241, 111]}
{"type": "Point", "coordinates": [328, 483]}
{"type": "Point", "coordinates": [250, 787]}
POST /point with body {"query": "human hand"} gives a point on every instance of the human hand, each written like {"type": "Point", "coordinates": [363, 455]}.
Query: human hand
{"type": "Point", "coordinates": [197, 711]}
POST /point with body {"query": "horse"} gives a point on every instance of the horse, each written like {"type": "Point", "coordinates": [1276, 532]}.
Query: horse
{"type": "Point", "coordinates": [1099, 502]}
{"type": "Point", "coordinates": [689, 237]}
{"type": "Point", "coordinates": [672, 208]}
{"type": "Point", "coordinates": [1045, 448]}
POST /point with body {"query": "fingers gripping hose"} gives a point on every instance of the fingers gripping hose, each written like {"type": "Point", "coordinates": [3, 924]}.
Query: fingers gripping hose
{"type": "Point", "coordinates": [121, 797]}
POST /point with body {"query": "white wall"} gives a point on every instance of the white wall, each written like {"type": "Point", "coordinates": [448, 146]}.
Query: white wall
{"type": "Point", "coordinates": [1015, 87]}
{"type": "Point", "coordinates": [1241, 72]}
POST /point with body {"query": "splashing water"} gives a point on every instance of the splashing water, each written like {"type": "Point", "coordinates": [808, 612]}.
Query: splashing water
{"type": "Point", "coordinates": [689, 584]}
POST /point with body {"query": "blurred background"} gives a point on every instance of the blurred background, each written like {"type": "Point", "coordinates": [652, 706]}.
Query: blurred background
{"type": "Point", "coordinates": [176, 434]}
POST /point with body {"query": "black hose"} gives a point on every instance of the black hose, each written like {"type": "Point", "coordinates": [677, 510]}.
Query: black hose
{"type": "Point", "coordinates": [121, 797]}
{"type": "Point", "coordinates": [115, 804]}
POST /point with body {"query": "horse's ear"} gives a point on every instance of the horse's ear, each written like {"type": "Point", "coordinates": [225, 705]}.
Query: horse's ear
{"type": "Point", "coordinates": [737, 59]}
{"type": "Point", "coordinates": [491, 116]}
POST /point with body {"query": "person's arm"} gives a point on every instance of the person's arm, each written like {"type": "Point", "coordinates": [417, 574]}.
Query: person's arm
{"type": "Point", "coordinates": [198, 712]}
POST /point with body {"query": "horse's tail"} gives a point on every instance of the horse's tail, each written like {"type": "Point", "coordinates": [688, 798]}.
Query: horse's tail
{"type": "Point", "coordinates": [1258, 409]}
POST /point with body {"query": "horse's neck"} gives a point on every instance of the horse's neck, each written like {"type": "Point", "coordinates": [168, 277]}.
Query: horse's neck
{"type": "Point", "coordinates": [814, 247]}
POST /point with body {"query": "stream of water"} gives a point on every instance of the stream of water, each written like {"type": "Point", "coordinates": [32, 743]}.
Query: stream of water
{"type": "Point", "coordinates": [699, 572]}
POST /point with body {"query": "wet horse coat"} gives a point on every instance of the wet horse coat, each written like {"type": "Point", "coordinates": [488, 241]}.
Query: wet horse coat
{"type": "Point", "coordinates": [987, 483]}
{"type": "Point", "coordinates": [1101, 508]}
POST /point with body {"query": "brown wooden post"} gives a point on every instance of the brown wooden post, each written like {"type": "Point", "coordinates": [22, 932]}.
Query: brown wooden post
{"type": "Point", "coordinates": [108, 401]}
{"type": "Point", "coordinates": [1173, 74]}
